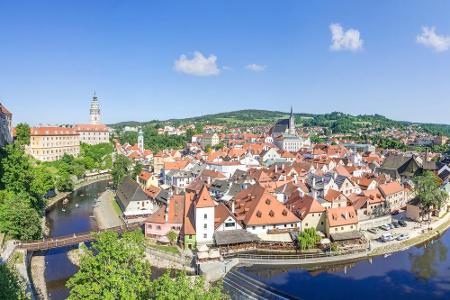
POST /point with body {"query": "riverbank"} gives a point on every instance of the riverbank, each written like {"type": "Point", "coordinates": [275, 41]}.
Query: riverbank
{"type": "Point", "coordinates": [418, 237]}
{"type": "Point", "coordinates": [105, 212]}
{"type": "Point", "coordinates": [38, 276]}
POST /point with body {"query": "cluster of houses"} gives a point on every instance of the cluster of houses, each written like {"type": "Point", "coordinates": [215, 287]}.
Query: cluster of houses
{"type": "Point", "coordinates": [256, 191]}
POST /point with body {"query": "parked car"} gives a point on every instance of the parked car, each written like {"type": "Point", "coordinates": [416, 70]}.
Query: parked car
{"type": "Point", "coordinates": [385, 227]}
{"type": "Point", "coordinates": [387, 237]}
{"type": "Point", "coordinates": [403, 236]}
{"type": "Point", "coordinates": [395, 212]}
{"type": "Point", "coordinates": [373, 230]}
{"type": "Point", "coordinates": [402, 223]}
{"type": "Point", "coordinates": [396, 225]}
{"type": "Point", "coordinates": [390, 225]}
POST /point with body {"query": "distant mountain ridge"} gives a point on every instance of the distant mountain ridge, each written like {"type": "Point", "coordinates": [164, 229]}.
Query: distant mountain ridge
{"type": "Point", "coordinates": [337, 121]}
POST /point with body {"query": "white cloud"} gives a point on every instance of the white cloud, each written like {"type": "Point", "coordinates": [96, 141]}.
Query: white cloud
{"type": "Point", "coordinates": [430, 39]}
{"type": "Point", "coordinates": [198, 65]}
{"type": "Point", "coordinates": [255, 67]}
{"type": "Point", "coordinates": [345, 40]}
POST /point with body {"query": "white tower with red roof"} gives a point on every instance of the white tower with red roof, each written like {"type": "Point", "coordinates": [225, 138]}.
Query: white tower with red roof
{"type": "Point", "coordinates": [204, 217]}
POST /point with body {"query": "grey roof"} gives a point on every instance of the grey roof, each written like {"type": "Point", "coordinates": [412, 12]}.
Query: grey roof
{"type": "Point", "coordinates": [340, 180]}
{"type": "Point", "coordinates": [237, 236]}
{"type": "Point", "coordinates": [220, 186]}
{"type": "Point", "coordinates": [444, 175]}
{"type": "Point", "coordinates": [128, 191]}
{"type": "Point", "coordinates": [163, 196]}
{"type": "Point", "coordinates": [280, 127]}
{"type": "Point", "coordinates": [344, 236]}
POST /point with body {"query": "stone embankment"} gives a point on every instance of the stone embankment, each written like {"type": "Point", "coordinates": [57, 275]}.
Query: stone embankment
{"type": "Point", "coordinates": [37, 268]}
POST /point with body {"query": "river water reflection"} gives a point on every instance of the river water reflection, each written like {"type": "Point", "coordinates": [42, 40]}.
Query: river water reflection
{"type": "Point", "coordinates": [75, 219]}
{"type": "Point", "coordinates": [418, 273]}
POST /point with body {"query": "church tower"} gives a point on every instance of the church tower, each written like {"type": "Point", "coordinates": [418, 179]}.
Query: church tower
{"type": "Point", "coordinates": [141, 140]}
{"type": "Point", "coordinates": [95, 110]}
{"type": "Point", "coordinates": [291, 123]}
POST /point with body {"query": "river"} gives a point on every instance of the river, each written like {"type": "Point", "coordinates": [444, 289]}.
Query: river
{"type": "Point", "coordinates": [418, 273]}
{"type": "Point", "coordinates": [75, 219]}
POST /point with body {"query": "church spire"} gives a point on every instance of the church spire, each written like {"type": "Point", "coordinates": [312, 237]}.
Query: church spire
{"type": "Point", "coordinates": [291, 122]}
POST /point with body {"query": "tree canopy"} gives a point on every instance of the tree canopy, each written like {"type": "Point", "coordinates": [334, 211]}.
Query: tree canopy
{"type": "Point", "coordinates": [23, 134]}
{"type": "Point", "coordinates": [120, 169]}
{"type": "Point", "coordinates": [428, 191]}
{"type": "Point", "coordinates": [10, 284]}
{"type": "Point", "coordinates": [308, 238]}
{"type": "Point", "coordinates": [115, 268]}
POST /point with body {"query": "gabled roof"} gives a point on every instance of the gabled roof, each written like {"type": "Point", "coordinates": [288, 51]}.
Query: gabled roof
{"type": "Point", "coordinates": [221, 213]}
{"type": "Point", "coordinates": [175, 213]}
{"type": "Point", "coordinates": [340, 216]}
{"type": "Point", "coordinates": [390, 188]}
{"type": "Point", "coordinates": [302, 206]}
{"type": "Point", "coordinates": [129, 190]}
{"type": "Point", "coordinates": [189, 221]}
{"type": "Point", "coordinates": [204, 199]}
{"type": "Point", "coordinates": [255, 206]}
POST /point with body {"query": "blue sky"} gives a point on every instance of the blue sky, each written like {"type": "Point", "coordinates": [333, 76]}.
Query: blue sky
{"type": "Point", "coordinates": [252, 54]}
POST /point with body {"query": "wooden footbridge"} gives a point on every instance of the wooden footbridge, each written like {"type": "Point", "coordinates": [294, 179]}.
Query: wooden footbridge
{"type": "Point", "coordinates": [73, 239]}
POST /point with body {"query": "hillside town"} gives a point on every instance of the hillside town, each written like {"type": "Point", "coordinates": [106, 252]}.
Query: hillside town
{"type": "Point", "coordinates": [233, 191]}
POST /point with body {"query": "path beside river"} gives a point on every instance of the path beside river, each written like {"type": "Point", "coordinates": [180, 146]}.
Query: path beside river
{"type": "Point", "coordinates": [105, 212]}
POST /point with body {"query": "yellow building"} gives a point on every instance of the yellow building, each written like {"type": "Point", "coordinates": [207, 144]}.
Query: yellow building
{"type": "Point", "coordinates": [51, 143]}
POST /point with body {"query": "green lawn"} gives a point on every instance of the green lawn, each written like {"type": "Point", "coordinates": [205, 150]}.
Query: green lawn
{"type": "Point", "coordinates": [168, 249]}
{"type": "Point", "coordinates": [116, 206]}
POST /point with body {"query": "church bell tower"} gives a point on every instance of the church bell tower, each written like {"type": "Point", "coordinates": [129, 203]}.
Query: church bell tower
{"type": "Point", "coordinates": [95, 110]}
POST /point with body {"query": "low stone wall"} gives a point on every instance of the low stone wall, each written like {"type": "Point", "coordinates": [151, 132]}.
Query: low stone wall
{"type": "Point", "coordinates": [371, 223]}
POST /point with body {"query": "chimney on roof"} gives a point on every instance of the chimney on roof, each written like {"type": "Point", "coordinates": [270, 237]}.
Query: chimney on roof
{"type": "Point", "coordinates": [232, 207]}
{"type": "Point", "coordinates": [276, 168]}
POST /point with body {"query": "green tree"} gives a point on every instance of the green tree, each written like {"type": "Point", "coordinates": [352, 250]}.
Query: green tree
{"type": "Point", "coordinates": [308, 238]}
{"type": "Point", "coordinates": [172, 236]}
{"type": "Point", "coordinates": [17, 219]}
{"type": "Point", "coordinates": [15, 169]}
{"type": "Point", "coordinates": [64, 183]}
{"type": "Point", "coordinates": [120, 169]}
{"type": "Point", "coordinates": [114, 268]}
{"type": "Point", "coordinates": [137, 169]}
{"type": "Point", "coordinates": [208, 148]}
{"type": "Point", "coordinates": [182, 286]}
{"type": "Point", "coordinates": [10, 284]}
{"type": "Point", "coordinates": [23, 134]}
{"type": "Point", "coordinates": [428, 191]}
{"type": "Point", "coordinates": [43, 181]}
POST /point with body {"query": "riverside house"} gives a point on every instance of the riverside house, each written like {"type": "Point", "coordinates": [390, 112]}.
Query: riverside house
{"type": "Point", "coordinates": [133, 201]}
{"type": "Point", "coordinates": [168, 217]}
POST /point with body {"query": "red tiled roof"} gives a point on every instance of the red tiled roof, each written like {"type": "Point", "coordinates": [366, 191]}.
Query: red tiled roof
{"type": "Point", "coordinates": [340, 216]}
{"type": "Point", "coordinates": [91, 127]}
{"type": "Point", "coordinates": [204, 199]}
{"type": "Point", "coordinates": [255, 206]}
{"type": "Point", "coordinates": [52, 130]}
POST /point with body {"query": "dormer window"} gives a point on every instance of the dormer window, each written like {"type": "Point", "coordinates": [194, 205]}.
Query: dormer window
{"type": "Point", "coordinates": [258, 214]}
{"type": "Point", "coordinates": [268, 201]}
{"type": "Point", "coordinates": [271, 213]}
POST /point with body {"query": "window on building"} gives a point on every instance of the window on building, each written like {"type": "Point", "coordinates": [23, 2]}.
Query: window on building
{"type": "Point", "coordinates": [205, 216]}
{"type": "Point", "coordinates": [205, 236]}
{"type": "Point", "coordinates": [230, 224]}
{"type": "Point", "coordinates": [205, 225]}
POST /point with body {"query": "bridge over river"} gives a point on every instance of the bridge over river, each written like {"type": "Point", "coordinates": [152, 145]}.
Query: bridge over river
{"type": "Point", "coordinates": [73, 239]}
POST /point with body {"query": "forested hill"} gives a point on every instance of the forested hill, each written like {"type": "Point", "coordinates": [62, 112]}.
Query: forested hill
{"type": "Point", "coordinates": [337, 121]}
